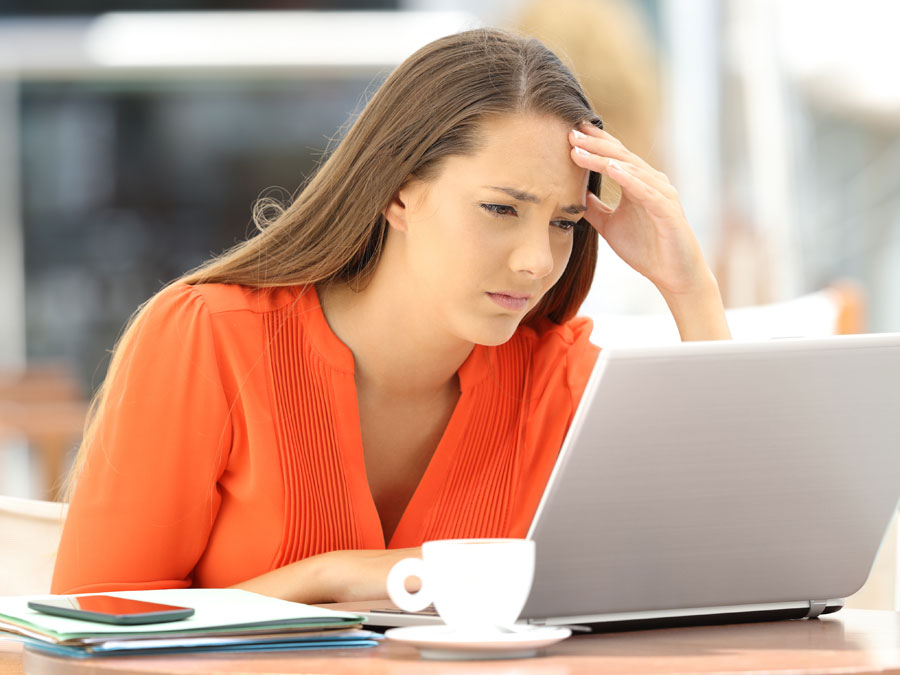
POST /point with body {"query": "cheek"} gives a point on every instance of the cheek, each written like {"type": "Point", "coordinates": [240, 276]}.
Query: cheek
{"type": "Point", "coordinates": [470, 241]}
{"type": "Point", "coordinates": [451, 247]}
{"type": "Point", "coordinates": [562, 252]}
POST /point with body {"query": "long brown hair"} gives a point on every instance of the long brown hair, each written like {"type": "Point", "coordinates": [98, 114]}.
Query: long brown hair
{"type": "Point", "coordinates": [428, 109]}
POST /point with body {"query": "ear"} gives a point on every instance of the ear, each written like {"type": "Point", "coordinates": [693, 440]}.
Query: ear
{"type": "Point", "coordinates": [395, 212]}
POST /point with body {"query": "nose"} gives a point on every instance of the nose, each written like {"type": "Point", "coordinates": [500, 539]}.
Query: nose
{"type": "Point", "coordinates": [532, 253]}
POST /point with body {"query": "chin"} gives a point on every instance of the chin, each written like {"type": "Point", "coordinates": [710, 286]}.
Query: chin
{"type": "Point", "coordinates": [495, 332]}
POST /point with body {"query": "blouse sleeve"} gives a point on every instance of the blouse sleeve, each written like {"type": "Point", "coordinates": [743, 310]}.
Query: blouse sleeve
{"type": "Point", "coordinates": [146, 499]}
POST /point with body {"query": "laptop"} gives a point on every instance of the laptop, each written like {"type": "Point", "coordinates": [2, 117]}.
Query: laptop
{"type": "Point", "coordinates": [712, 482]}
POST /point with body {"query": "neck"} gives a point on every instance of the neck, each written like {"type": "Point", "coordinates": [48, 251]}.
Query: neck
{"type": "Point", "coordinates": [397, 349]}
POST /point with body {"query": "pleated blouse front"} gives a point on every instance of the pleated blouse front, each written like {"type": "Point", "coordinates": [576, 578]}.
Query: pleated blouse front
{"type": "Point", "coordinates": [230, 444]}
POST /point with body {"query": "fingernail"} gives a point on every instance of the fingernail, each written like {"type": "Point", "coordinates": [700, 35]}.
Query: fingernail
{"type": "Point", "coordinates": [580, 136]}
{"type": "Point", "coordinates": [581, 151]}
{"type": "Point", "coordinates": [613, 165]}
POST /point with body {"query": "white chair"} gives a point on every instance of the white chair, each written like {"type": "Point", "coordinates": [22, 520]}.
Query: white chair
{"type": "Point", "coordinates": [29, 537]}
{"type": "Point", "coordinates": [837, 309]}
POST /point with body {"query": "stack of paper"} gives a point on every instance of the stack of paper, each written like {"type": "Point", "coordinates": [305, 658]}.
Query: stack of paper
{"type": "Point", "coordinates": [223, 620]}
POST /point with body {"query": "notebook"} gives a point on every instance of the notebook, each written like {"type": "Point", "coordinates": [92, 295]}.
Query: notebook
{"type": "Point", "coordinates": [225, 620]}
{"type": "Point", "coordinates": [716, 481]}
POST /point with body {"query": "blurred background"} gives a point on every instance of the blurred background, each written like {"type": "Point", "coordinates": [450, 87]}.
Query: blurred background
{"type": "Point", "coordinates": [134, 143]}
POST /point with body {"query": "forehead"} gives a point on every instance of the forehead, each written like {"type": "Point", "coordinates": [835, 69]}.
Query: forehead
{"type": "Point", "coordinates": [526, 151]}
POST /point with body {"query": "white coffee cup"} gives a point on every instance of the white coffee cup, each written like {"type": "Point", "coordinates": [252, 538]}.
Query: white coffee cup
{"type": "Point", "coordinates": [475, 584]}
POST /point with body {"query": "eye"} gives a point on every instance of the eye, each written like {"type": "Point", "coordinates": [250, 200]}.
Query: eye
{"type": "Point", "coordinates": [565, 225]}
{"type": "Point", "coordinates": [499, 209]}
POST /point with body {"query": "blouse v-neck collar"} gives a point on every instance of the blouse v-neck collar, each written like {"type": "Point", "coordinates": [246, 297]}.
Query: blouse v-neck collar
{"type": "Point", "coordinates": [338, 356]}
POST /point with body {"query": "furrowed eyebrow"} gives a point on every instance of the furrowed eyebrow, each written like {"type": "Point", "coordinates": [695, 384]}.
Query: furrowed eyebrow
{"type": "Point", "coordinates": [522, 196]}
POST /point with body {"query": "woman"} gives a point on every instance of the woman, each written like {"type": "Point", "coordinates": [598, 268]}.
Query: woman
{"type": "Point", "coordinates": [392, 359]}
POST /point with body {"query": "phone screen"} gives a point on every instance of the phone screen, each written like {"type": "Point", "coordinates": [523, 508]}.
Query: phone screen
{"type": "Point", "coordinates": [110, 604]}
{"type": "Point", "coordinates": [110, 609]}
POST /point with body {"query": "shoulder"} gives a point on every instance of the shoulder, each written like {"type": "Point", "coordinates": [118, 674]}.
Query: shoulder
{"type": "Point", "coordinates": [222, 298]}
{"type": "Point", "coordinates": [561, 356]}
{"type": "Point", "coordinates": [548, 342]}
{"type": "Point", "coordinates": [574, 332]}
{"type": "Point", "coordinates": [183, 314]}
{"type": "Point", "coordinates": [545, 349]}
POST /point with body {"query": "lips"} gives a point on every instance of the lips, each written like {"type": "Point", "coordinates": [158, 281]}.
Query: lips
{"type": "Point", "coordinates": [511, 301]}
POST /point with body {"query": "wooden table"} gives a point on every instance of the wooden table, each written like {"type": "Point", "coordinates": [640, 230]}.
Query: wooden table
{"type": "Point", "coordinates": [851, 641]}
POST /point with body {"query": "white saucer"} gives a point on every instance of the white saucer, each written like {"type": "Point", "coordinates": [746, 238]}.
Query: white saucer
{"type": "Point", "coordinates": [442, 642]}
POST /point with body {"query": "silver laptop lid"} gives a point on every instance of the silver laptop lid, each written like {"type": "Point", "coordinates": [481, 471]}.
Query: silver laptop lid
{"type": "Point", "coordinates": [722, 473]}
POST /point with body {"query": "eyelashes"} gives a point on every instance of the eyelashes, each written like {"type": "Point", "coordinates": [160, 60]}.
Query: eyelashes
{"type": "Point", "coordinates": [500, 210]}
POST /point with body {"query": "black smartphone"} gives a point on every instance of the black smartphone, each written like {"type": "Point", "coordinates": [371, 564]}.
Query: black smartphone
{"type": "Point", "coordinates": [594, 177]}
{"type": "Point", "coordinates": [110, 609]}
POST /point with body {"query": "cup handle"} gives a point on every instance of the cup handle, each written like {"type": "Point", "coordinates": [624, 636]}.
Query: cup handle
{"type": "Point", "coordinates": [396, 580]}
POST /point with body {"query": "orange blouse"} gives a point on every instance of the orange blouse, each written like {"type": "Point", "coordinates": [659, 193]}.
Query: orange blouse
{"type": "Point", "coordinates": [230, 444]}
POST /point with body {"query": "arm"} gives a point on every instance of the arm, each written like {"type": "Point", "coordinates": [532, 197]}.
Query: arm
{"type": "Point", "coordinates": [699, 315]}
{"type": "Point", "coordinates": [146, 498]}
{"type": "Point", "coordinates": [649, 231]}
{"type": "Point", "coordinates": [338, 576]}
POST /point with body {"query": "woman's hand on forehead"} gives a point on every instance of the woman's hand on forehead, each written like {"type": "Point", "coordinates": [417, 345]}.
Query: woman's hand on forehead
{"type": "Point", "coordinates": [648, 229]}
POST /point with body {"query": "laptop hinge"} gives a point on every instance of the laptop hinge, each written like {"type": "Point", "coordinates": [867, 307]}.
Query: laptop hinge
{"type": "Point", "coordinates": [816, 607]}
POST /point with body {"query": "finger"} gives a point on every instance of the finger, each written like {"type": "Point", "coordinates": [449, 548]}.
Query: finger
{"type": "Point", "coordinates": [610, 147]}
{"type": "Point", "coordinates": [591, 130]}
{"type": "Point", "coordinates": [595, 162]}
{"type": "Point", "coordinates": [649, 176]}
{"type": "Point", "coordinates": [630, 181]}
{"type": "Point", "coordinates": [654, 202]}
{"type": "Point", "coordinates": [600, 142]}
